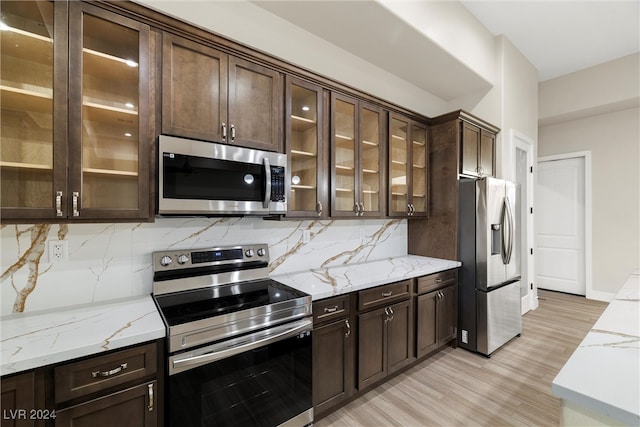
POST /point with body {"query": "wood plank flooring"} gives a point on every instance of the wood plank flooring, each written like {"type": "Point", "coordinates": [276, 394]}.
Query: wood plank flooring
{"type": "Point", "coordinates": [460, 388]}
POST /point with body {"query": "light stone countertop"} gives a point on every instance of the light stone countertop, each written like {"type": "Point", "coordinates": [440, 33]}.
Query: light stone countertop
{"type": "Point", "coordinates": [42, 338]}
{"type": "Point", "coordinates": [327, 282]}
{"type": "Point", "coordinates": [603, 374]}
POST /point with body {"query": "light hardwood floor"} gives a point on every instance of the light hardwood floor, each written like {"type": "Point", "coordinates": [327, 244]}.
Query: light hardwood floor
{"type": "Point", "coordinates": [460, 388]}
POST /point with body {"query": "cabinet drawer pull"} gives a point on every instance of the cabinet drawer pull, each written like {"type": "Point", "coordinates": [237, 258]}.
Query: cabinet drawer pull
{"type": "Point", "coordinates": [387, 294]}
{"type": "Point", "coordinates": [319, 208]}
{"type": "Point", "coordinates": [150, 397]}
{"type": "Point", "coordinates": [96, 374]}
{"type": "Point", "coordinates": [439, 280]}
{"type": "Point", "coordinates": [331, 309]}
{"type": "Point", "coordinates": [233, 133]}
{"type": "Point", "coordinates": [224, 131]}
{"type": "Point", "coordinates": [346, 323]}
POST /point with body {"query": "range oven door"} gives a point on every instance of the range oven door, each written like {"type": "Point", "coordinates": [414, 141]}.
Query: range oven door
{"type": "Point", "coordinates": [197, 177]}
{"type": "Point", "coordinates": [261, 379]}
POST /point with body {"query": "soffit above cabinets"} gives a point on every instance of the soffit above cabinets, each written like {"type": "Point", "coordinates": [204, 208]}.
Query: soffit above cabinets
{"type": "Point", "coordinates": [374, 33]}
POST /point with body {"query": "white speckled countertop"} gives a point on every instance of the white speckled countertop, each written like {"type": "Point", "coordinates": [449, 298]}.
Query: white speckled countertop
{"type": "Point", "coordinates": [603, 374]}
{"type": "Point", "coordinates": [327, 282]}
{"type": "Point", "coordinates": [43, 338]}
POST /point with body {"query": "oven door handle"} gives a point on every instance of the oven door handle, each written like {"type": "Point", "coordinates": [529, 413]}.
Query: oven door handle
{"type": "Point", "coordinates": [239, 345]}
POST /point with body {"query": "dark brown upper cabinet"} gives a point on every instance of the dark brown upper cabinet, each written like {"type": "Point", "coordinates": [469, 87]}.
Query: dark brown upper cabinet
{"type": "Point", "coordinates": [407, 167]}
{"type": "Point", "coordinates": [210, 95]}
{"type": "Point", "coordinates": [307, 152]}
{"type": "Point", "coordinates": [477, 151]}
{"type": "Point", "coordinates": [75, 113]}
{"type": "Point", "coordinates": [357, 158]}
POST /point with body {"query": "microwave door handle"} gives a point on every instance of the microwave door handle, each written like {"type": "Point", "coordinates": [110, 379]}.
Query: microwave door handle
{"type": "Point", "coordinates": [267, 190]}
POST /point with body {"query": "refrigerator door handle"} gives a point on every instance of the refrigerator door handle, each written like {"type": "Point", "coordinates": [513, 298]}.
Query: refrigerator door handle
{"type": "Point", "coordinates": [511, 237]}
{"type": "Point", "coordinates": [507, 232]}
{"type": "Point", "coordinates": [504, 237]}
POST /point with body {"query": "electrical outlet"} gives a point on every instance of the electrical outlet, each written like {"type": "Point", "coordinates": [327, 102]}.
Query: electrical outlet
{"type": "Point", "coordinates": [465, 337]}
{"type": "Point", "coordinates": [58, 251]}
{"type": "Point", "coordinates": [306, 236]}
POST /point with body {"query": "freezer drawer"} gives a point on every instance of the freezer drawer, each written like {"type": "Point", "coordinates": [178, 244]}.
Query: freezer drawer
{"type": "Point", "coordinates": [499, 317]}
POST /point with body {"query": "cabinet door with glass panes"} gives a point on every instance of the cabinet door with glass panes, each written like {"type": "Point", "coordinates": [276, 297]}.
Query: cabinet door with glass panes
{"type": "Point", "coordinates": [33, 101]}
{"type": "Point", "coordinates": [306, 150]}
{"type": "Point", "coordinates": [356, 158]}
{"type": "Point", "coordinates": [407, 167]}
{"type": "Point", "coordinates": [108, 115]}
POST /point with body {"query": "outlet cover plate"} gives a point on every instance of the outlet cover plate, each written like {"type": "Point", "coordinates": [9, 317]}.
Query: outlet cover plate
{"type": "Point", "coordinates": [58, 251]}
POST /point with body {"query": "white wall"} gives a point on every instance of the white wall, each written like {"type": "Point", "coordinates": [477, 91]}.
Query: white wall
{"type": "Point", "coordinates": [613, 140]}
{"type": "Point", "coordinates": [606, 87]}
{"type": "Point", "coordinates": [597, 109]}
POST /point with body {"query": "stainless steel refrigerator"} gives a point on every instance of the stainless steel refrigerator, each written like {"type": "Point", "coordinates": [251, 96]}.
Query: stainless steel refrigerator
{"type": "Point", "coordinates": [489, 280]}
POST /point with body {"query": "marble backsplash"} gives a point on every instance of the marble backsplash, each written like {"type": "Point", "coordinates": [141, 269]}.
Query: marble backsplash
{"type": "Point", "coordinates": [111, 261]}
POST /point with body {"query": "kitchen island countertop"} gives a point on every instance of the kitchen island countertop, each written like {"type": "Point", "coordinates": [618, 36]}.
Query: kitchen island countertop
{"type": "Point", "coordinates": [601, 379]}
{"type": "Point", "coordinates": [42, 338]}
{"type": "Point", "coordinates": [332, 281]}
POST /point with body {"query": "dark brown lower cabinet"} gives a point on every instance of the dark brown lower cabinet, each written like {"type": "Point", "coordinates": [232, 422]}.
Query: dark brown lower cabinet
{"type": "Point", "coordinates": [19, 401]}
{"type": "Point", "coordinates": [384, 342]}
{"type": "Point", "coordinates": [436, 312]}
{"type": "Point", "coordinates": [133, 407]}
{"type": "Point", "coordinates": [333, 353]}
{"type": "Point", "coordinates": [118, 388]}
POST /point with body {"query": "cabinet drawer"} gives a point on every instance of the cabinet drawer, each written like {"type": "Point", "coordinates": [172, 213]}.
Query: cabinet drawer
{"type": "Point", "coordinates": [385, 294]}
{"type": "Point", "coordinates": [331, 308]}
{"type": "Point", "coordinates": [434, 281]}
{"type": "Point", "coordinates": [81, 378]}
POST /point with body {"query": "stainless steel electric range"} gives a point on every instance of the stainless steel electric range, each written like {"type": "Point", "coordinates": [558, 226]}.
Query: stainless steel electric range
{"type": "Point", "coordinates": [239, 343]}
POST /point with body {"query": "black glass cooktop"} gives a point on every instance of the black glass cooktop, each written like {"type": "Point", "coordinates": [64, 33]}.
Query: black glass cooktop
{"type": "Point", "coordinates": [189, 306]}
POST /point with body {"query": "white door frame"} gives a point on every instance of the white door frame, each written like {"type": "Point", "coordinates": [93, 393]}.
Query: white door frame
{"type": "Point", "coordinates": [588, 232]}
{"type": "Point", "coordinates": [526, 144]}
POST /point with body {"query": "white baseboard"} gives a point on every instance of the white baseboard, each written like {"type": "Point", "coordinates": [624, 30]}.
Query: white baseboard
{"type": "Point", "coordinates": [601, 296]}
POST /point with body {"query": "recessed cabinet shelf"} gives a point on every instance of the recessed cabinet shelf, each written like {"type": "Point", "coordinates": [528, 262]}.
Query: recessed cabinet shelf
{"type": "Point", "coordinates": [19, 165]}
{"type": "Point", "coordinates": [109, 172]}
{"type": "Point", "coordinates": [344, 137]}
{"type": "Point", "coordinates": [303, 153]}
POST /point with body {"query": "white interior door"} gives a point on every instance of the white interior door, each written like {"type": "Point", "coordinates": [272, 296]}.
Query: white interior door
{"type": "Point", "coordinates": [560, 225]}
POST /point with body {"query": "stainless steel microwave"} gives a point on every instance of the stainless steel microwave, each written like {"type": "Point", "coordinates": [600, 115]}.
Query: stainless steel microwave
{"type": "Point", "coordinates": [205, 178]}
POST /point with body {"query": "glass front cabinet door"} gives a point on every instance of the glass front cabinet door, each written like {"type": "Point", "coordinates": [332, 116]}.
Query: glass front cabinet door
{"type": "Point", "coordinates": [108, 115]}
{"type": "Point", "coordinates": [33, 107]}
{"type": "Point", "coordinates": [407, 167]}
{"type": "Point", "coordinates": [306, 151]}
{"type": "Point", "coordinates": [75, 126]}
{"type": "Point", "coordinates": [356, 158]}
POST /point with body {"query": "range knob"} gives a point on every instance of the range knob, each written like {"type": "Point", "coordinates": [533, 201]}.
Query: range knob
{"type": "Point", "coordinates": [183, 259]}
{"type": "Point", "coordinates": [261, 252]}
{"type": "Point", "coordinates": [165, 261]}
{"type": "Point", "coordinates": [248, 253]}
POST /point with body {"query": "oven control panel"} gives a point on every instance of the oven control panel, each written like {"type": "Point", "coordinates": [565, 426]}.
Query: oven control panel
{"type": "Point", "coordinates": [216, 256]}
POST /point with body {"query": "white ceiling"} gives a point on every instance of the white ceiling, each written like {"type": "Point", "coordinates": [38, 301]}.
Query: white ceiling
{"type": "Point", "coordinates": [556, 36]}
{"type": "Point", "coordinates": [560, 37]}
